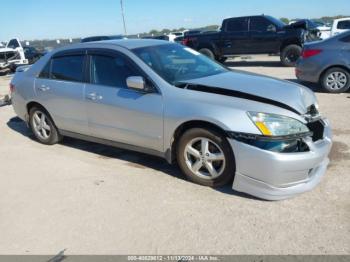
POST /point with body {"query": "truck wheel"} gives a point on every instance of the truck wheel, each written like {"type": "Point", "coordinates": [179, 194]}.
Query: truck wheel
{"type": "Point", "coordinates": [207, 52]}
{"type": "Point", "coordinates": [206, 157]}
{"type": "Point", "coordinates": [335, 80]}
{"type": "Point", "coordinates": [290, 54]}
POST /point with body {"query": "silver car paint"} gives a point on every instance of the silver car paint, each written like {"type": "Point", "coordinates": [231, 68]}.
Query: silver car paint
{"type": "Point", "coordinates": [334, 53]}
{"type": "Point", "coordinates": [150, 120]}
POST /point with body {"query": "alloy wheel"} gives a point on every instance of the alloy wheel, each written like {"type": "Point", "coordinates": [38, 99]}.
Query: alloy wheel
{"type": "Point", "coordinates": [41, 125]}
{"type": "Point", "coordinates": [204, 158]}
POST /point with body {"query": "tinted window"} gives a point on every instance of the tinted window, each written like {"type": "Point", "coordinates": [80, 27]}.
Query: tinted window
{"type": "Point", "coordinates": [237, 25]}
{"type": "Point", "coordinates": [69, 68]}
{"type": "Point", "coordinates": [260, 24]}
{"type": "Point", "coordinates": [344, 24]}
{"type": "Point", "coordinates": [45, 73]}
{"type": "Point", "coordinates": [13, 44]}
{"type": "Point", "coordinates": [111, 71]}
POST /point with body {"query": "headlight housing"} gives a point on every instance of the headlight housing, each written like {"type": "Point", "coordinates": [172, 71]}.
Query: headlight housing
{"type": "Point", "coordinates": [277, 125]}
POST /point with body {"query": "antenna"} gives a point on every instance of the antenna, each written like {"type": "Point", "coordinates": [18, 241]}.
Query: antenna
{"type": "Point", "coordinates": [122, 10]}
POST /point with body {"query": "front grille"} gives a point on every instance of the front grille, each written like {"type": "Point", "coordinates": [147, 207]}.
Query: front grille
{"type": "Point", "coordinates": [317, 128]}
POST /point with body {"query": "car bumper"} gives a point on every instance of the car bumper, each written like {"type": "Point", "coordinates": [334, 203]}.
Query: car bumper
{"type": "Point", "coordinates": [308, 70]}
{"type": "Point", "coordinates": [276, 176]}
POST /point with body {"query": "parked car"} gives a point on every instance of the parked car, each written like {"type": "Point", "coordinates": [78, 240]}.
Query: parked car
{"type": "Point", "coordinates": [12, 55]}
{"type": "Point", "coordinates": [251, 35]}
{"type": "Point", "coordinates": [102, 38]}
{"type": "Point", "coordinates": [327, 62]}
{"type": "Point", "coordinates": [340, 26]}
{"type": "Point", "coordinates": [264, 135]}
{"type": "Point", "coordinates": [32, 54]}
{"type": "Point", "coordinates": [173, 35]}
{"type": "Point", "coordinates": [159, 37]}
{"type": "Point", "coordinates": [325, 28]}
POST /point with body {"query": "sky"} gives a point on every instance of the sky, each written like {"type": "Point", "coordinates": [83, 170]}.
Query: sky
{"type": "Point", "coordinates": [51, 19]}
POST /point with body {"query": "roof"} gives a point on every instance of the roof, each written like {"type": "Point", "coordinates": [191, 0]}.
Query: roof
{"type": "Point", "coordinates": [126, 43]}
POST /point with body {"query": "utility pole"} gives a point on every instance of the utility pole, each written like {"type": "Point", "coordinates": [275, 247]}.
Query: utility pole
{"type": "Point", "coordinates": [122, 9]}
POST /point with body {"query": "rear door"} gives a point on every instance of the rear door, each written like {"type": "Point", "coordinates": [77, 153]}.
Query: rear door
{"type": "Point", "coordinates": [263, 35]}
{"type": "Point", "coordinates": [116, 112]}
{"type": "Point", "coordinates": [60, 88]}
{"type": "Point", "coordinates": [235, 36]}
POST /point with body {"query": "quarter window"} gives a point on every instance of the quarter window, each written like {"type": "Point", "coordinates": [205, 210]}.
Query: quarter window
{"type": "Point", "coordinates": [45, 73]}
{"type": "Point", "coordinates": [68, 68]}
{"type": "Point", "coordinates": [111, 71]}
{"type": "Point", "coordinates": [13, 44]}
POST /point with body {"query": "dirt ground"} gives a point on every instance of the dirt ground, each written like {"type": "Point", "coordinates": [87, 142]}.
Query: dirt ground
{"type": "Point", "coordinates": [93, 199]}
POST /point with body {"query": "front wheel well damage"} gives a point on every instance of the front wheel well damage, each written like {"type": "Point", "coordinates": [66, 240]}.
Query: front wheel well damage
{"type": "Point", "coordinates": [171, 153]}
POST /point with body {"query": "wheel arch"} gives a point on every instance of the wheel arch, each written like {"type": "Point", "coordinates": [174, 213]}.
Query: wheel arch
{"type": "Point", "coordinates": [182, 128]}
{"type": "Point", "coordinates": [290, 42]}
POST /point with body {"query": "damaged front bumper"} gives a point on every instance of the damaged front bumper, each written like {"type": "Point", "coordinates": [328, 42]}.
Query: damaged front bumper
{"type": "Point", "coordinates": [275, 176]}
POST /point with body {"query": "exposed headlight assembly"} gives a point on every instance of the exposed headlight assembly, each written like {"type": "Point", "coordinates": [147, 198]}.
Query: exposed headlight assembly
{"type": "Point", "coordinates": [272, 125]}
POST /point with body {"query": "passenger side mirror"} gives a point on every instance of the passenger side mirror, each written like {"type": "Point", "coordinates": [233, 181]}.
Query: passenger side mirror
{"type": "Point", "coordinates": [136, 82]}
{"type": "Point", "coordinates": [271, 28]}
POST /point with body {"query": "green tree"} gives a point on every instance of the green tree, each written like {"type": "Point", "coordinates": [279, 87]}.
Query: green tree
{"type": "Point", "coordinates": [285, 20]}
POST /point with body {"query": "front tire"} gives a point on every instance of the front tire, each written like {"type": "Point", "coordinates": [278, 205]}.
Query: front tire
{"type": "Point", "coordinates": [290, 54]}
{"type": "Point", "coordinates": [206, 157]}
{"type": "Point", "coordinates": [335, 80]}
{"type": "Point", "coordinates": [43, 127]}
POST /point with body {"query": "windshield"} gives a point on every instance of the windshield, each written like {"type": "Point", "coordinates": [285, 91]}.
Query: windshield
{"type": "Point", "coordinates": [176, 63]}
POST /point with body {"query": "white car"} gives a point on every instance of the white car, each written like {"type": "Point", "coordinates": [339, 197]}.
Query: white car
{"type": "Point", "coordinates": [340, 26]}
{"type": "Point", "coordinates": [173, 35]}
{"type": "Point", "coordinates": [12, 54]}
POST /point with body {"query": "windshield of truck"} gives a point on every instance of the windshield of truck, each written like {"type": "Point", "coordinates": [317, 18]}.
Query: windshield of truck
{"type": "Point", "coordinates": [176, 63]}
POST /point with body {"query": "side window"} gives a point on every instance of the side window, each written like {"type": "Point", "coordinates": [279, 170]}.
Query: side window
{"type": "Point", "coordinates": [68, 68]}
{"type": "Point", "coordinates": [45, 73]}
{"type": "Point", "coordinates": [111, 71]}
{"type": "Point", "coordinates": [13, 44]}
{"type": "Point", "coordinates": [237, 25]}
{"type": "Point", "coordinates": [344, 24]}
{"type": "Point", "coordinates": [260, 24]}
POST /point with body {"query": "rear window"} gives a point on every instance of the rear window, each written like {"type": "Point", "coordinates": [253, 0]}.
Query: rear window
{"type": "Point", "coordinates": [344, 24]}
{"type": "Point", "coordinates": [68, 68]}
{"type": "Point", "coordinates": [237, 25]}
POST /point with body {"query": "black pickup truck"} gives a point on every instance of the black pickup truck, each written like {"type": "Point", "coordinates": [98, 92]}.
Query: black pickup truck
{"type": "Point", "coordinates": [251, 35]}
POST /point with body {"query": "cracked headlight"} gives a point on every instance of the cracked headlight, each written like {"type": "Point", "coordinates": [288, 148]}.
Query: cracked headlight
{"type": "Point", "coordinates": [277, 125]}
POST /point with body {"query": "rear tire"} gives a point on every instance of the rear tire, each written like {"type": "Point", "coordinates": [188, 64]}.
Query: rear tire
{"type": "Point", "coordinates": [335, 80]}
{"type": "Point", "coordinates": [290, 54]}
{"type": "Point", "coordinates": [205, 157]}
{"type": "Point", "coordinates": [43, 127]}
{"type": "Point", "coordinates": [207, 52]}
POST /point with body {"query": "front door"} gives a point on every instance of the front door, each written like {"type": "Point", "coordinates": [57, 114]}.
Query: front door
{"type": "Point", "coordinates": [118, 113]}
{"type": "Point", "coordinates": [263, 36]}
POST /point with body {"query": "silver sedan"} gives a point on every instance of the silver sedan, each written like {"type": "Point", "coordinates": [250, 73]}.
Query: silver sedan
{"type": "Point", "coordinates": [264, 136]}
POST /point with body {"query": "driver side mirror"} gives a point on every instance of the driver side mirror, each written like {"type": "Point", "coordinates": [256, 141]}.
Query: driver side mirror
{"type": "Point", "coordinates": [136, 83]}
{"type": "Point", "coordinates": [271, 28]}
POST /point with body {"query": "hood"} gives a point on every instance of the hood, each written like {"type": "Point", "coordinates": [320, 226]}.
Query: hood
{"type": "Point", "coordinates": [284, 94]}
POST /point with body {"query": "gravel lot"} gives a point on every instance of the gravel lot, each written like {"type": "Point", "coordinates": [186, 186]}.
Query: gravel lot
{"type": "Point", "coordinates": [93, 199]}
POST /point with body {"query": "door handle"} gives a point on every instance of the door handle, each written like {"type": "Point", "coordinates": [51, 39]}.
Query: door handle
{"type": "Point", "coordinates": [94, 96]}
{"type": "Point", "coordinates": [44, 88]}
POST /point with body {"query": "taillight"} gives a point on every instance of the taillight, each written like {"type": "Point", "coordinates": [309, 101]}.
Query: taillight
{"type": "Point", "coordinates": [185, 41]}
{"type": "Point", "coordinates": [12, 88]}
{"type": "Point", "coordinates": [310, 52]}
